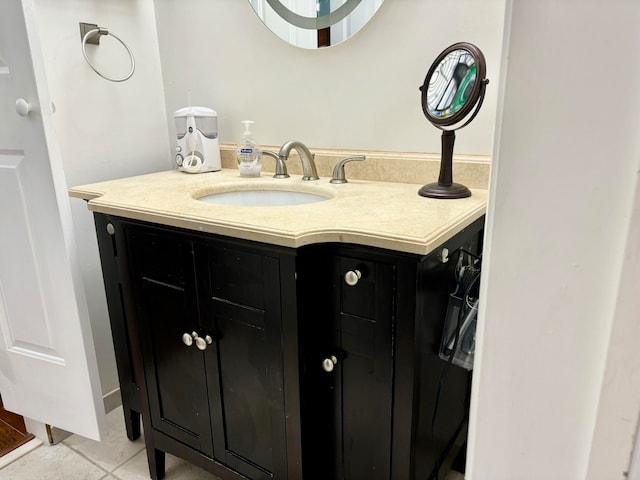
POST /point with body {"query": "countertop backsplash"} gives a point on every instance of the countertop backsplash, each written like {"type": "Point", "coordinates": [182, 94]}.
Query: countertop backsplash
{"type": "Point", "coordinates": [399, 167]}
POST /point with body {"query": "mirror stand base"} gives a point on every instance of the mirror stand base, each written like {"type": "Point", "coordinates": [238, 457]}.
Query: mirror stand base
{"type": "Point", "coordinates": [435, 190]}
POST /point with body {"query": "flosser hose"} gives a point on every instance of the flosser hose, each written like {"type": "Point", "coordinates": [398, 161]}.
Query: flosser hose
{"type": "Point", "coordinates": [192, 163]}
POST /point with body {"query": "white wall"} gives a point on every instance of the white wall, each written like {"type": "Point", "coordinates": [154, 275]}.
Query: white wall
{"type": "Point", "coordinates": [105, 130]}
{"type": "Point", "coordinates": [619, 405]}
{"type": "Point", "coordinates": [565, 168]}
{"type": "Point", "coordinates": [360, 94]}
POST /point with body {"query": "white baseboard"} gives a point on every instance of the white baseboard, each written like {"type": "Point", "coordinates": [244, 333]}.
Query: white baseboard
{"type": "Point", "coordinates": [112, 400]}
{"type": "Point", "coordinates": [19, 452]}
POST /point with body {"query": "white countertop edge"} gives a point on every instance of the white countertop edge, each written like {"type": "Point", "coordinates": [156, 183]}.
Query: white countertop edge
{"type": "Point", "coordinates": [414, 245]}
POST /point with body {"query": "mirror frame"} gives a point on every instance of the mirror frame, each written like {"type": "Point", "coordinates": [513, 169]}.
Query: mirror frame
{"type": "Point", "coordinates": [314, 23]}
{"type": "Point", "coordinates": [474, 97]}
{"type": "Point", "coordinates": [278, 17]}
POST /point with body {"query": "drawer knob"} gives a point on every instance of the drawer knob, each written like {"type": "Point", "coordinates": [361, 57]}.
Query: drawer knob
{"type": "Point", "coordinates": [329, 363]}
{"type": "Point", "coordinates": [202, 342]}
{"type": "Point", "coordinates": [187, 339]}
{"type": "Point", "coordinates": [352, 277]}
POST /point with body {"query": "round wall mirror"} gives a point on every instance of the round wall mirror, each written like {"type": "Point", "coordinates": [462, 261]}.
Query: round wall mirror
{"type": "Point", "coordinates": [452, 94]}
{"type": "Point", "coordinates": [315, 24]}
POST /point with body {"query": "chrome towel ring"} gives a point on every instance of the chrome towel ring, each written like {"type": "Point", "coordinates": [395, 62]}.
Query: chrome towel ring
{"type": "Point", "coordinates": [91, 34]}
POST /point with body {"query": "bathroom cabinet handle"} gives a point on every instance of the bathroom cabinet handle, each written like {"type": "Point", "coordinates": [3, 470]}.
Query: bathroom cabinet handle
{"type": "Point", "coordinates": [203, 342]}
{"type": "Point", "coordinates": [187, 338]}
{"type": "Point", "coordinates": [352, 277]}
{"type": "Point", "coordinates": [329, 363]}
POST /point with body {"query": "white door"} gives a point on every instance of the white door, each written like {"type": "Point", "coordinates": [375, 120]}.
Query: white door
{"type": "Point", "coordinates": [48, 369]}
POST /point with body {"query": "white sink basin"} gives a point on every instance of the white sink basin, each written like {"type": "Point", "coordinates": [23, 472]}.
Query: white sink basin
{"type": "Point", "coordinates": [262, 198]}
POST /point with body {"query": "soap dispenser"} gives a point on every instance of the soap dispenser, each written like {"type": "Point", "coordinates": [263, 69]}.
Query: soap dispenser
{"type": "Point", "coordinates": [248, 153]}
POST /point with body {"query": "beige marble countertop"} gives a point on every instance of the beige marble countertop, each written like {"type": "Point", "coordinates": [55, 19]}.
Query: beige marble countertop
{"type": "Point", "coordinates": [378, 214]}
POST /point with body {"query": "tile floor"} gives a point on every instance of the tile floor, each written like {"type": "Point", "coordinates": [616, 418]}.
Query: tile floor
{"type": "Point", "coordinates": [115, 458]}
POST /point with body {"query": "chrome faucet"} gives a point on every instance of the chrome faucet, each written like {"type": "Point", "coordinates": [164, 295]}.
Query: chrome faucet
{"type": "Point", "coordinates": [309, 171]}
{"type": "Point", "coordinates": [281, 168]}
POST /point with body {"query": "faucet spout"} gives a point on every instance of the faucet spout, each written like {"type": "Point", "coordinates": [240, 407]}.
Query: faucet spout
{"type": "Point", "coordinates": [309, 171]}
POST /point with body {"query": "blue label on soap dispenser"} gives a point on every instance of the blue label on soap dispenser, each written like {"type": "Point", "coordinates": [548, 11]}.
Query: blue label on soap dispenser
{"type": "Point", "coordinates": [246, 150]}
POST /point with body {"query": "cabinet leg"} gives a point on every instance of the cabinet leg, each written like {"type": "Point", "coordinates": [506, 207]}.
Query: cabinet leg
{"type": "Point", "coordinates": [156, 463]}
{"type": "Point", "coordinates": [132, 424]}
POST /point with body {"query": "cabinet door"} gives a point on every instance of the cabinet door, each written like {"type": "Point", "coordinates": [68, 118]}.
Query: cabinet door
{"type": "Point", "coordinates": [348, 409]}
{"type": "Point", "coordinates": [165, 296]}
{"type": "Point", "coordinates": [240, 301]}
{"type": "Point", "coordinates": [363, 388]}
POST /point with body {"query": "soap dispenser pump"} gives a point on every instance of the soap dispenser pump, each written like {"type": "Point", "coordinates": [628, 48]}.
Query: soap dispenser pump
{"type": "Point", "coordinates": [248, 153]}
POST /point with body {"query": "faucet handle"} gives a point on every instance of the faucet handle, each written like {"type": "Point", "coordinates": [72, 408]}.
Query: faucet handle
{"type": "Point", "coordinates": [338, 171]}
{"type": "Point", "coordinates": [281, 168]}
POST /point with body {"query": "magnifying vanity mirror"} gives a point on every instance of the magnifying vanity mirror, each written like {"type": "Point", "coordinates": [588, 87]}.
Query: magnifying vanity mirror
{"type": "Point", "coordinates": [315, 23]}
{"type": "Point", "coordinates": [452, 95]}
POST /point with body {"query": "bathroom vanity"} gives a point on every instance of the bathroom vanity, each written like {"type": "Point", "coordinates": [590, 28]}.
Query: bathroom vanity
{"type": "Point", "coordinates": [285, 342]}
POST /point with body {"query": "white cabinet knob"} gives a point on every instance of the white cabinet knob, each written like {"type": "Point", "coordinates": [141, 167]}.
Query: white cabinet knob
{"type": "Point", "coordinates": [202, 342]}
{"type": "Point", "coordinates": [352, 277]}
{"type": "Point", "coordinates": [187, 339]}
{"type": "Point", "coordinates": [22, 107]}
{"type": "Point", "coordinates": [329, 362]}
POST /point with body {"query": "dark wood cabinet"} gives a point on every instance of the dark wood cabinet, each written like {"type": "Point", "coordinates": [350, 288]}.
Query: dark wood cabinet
{"type": "Point", "coordinates": [164, 289]}
{"type": "Point", "coordinates": [256, 361]}
{"type": "Point", "coordinates": [381, 315]}
{"type": "Point", "coordinates": [240, 305]}
{"type": "Point", "coordinates": [207, 317]}
{"type": "Point", "coordinates": [347, 365]}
